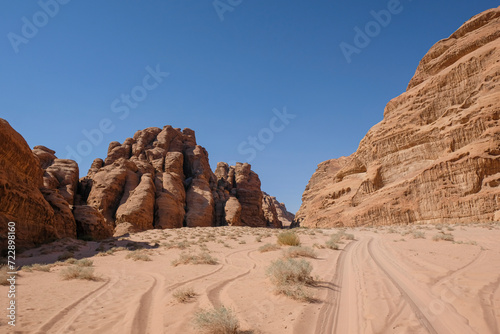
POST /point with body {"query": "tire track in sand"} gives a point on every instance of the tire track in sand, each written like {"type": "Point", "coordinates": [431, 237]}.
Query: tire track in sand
{"type": "Point", "coordinates": [213, 292]}
{"type": "Point", "coordinates": [419, 297]}
{"type": "Point", "coordinates": [84, 301]}
{"type": "Point", "coordinates": [147, 319]}
{"type": "Point", "coordinates": [328, 314]}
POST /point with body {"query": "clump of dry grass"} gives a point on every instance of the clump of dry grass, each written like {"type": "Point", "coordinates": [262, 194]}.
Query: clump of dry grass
{"type": "Point", "coordinates": [288, 238]}
{"type": "Point", "coordinates": [299, 251]}
{"type": "Point", "coordinates": [331, 244]}
{"type": "Point", "coordinates": [184, 295]}
{"type": "Point", "coordinates": [65, 256]}
{"type": "Point", "coordinates": [418, 235]}
{"type": "Point", "coordinates": [76, 272]}
{"type": "Point", "coordinates": [84, 263]}
{"type": "Point", "coordinates": [290, 278]}
{"type": "Point", "coordinates": [220, 320]}
{"type": "Point", "coordinates": [138, 255]}
{"type": "Point", "coordinates": [202, 258]}
{"type": "Point", "coordinates": [180, 245]}
{"type": "Point", "coordinates": [443, 236]}
{"type": "Point", "coordinates": [37, 267]}
{"type": "Point", "coordinates": [268, 248]}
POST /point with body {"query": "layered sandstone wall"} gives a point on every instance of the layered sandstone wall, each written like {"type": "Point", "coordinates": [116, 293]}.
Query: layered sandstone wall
{"type": "Point", "coordinates": [435, 157]}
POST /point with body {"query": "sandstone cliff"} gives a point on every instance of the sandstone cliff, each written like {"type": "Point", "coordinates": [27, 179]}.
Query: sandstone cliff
{"type": "Point", "coordinates": [37, 199]}
{"type": "Point", "coordinates": [435, 157]}
{"type": "Point", "coordinates": [160, 178]}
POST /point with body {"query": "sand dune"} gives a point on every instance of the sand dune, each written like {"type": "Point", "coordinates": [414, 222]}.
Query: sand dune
{"type": "Point", "coordinates": [387, 280]}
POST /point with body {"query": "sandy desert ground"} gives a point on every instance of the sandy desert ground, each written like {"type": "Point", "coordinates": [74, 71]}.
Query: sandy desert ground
{"type": "Point", "coordinates": [386, 280]}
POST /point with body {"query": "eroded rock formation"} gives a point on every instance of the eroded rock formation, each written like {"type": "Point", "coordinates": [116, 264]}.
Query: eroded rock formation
{"type": "Point", "coordinates": [160, 178]}
{"type": "Point", "coordinates": [435, 157]}
{"type": "Point", "coordinates": [36, 199]}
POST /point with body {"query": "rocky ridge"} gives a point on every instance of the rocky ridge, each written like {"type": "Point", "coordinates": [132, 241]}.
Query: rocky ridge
{"type": "Point", "coordinates": [160, 178]}
{"type": "Point", "coordinates": [435, 157]}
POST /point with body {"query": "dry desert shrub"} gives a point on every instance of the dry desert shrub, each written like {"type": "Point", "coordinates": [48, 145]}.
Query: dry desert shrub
{"type": "Point", "coordinates": [220, 320]}
{"type": "Point", "coordinates": [299, 251]}
{"type": "Point", "coordinates": [288, 238]}
{"type": "Point", "coordinates": [202, 258]}
{"type": "Point", "coordinates": [138, 256]}
{"type": "Point", "coordinates": [443, 236]}
{"type": "Point", "coordinates": [331, 244]}
{"type": "Point", "coordinates": [418, 235]}
{"type": "Point", "coordinates": [37, 267]}
{"type": "Point", "coordinates": [184, 295]}
{"type": "Point", "coordinates": [180, 245]}
{"type": "Point", "coordinates": [76, 272]}
{"type": "Point", "coordinates": [84, 263]}
{"type": "Point", "coordinates": [290, 278]}
{"type": "Point", "coordinates": [268, 248]}
{"type": "Point", "coordinates": [65, 256]}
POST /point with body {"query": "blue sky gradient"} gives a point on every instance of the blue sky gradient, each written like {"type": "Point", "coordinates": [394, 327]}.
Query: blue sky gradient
{"type": "Point", "coordinates": [227, 79]}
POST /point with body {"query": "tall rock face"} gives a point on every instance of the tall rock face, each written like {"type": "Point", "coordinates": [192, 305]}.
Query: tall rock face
{"type": "Point", "coordinates": [283, 217]}
{"type": "Point", "coordinates": [36, 199]}
{"type": "Point", "coordinates": [160, 178]}
{"type": "Point", "coordinates": [238, 191]}
{"type": "Point", "coordinates": [435, 157]}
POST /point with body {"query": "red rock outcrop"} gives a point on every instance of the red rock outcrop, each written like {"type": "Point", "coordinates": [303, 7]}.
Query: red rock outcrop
{"type": "Point", "coordinates": [435, 157]}
{"type": "Point", "coordinates": [276, 213]}
{"type": "Point", "coordinates": [160, 178]}
{"type": "Point", "coordinates": [241, 183]}
{"type": "Point", "coordinates": [22, 189]}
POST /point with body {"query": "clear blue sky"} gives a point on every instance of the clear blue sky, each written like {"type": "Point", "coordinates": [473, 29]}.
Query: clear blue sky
{"type": "Point", "coordinates": [225, 76]}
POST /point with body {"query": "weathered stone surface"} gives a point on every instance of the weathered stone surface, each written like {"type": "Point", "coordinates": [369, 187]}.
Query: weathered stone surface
{"type": "Point", "coordinates": [138, 209]}
{"type": "Point", "coordinates": [91, 223]}
{"type": "Point", "coordinates": [269, 210]}
{"type": "Point", "coordinates": [435, 157]}
{"type": "Point", "coordinates": [160, 178]}
{"type": "Point", "coordinates": [275, 212]}
{"type": "Point", "coordinates": [232, 210]}
{"type": "Point", "coordinates": [21, 199]}
{"type": "Point", "coordinates": [249, 195]}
